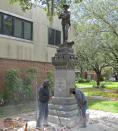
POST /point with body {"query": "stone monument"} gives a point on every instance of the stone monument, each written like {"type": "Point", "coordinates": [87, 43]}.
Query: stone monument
{"type": "Point", "coordinates": [63, 109]}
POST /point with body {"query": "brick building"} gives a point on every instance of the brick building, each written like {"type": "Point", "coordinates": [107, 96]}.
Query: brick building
{"type": "Point", "coordinates": [86, 75]}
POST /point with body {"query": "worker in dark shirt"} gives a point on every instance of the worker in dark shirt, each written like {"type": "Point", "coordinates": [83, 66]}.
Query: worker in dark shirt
{"type": "Point", "coordinates": [43, 99]}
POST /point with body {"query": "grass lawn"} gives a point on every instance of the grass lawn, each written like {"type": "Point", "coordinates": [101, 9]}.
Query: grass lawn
{"type": "Point", "coordinates": [109, 85]}
{"type": "Point", "coordinates": [100, 92]}
{"type": "Point", "coordinates": [104, 105]}
{"type": "Point", "coordinates": [10, 110]}
{"type": "Point", "coordinates": [83, 85]}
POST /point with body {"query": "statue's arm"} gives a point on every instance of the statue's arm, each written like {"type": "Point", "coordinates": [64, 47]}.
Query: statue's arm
{"type": "Point", "coordinates": [66, 16]}
{"type": "Point", "coordinates": [61, 16]}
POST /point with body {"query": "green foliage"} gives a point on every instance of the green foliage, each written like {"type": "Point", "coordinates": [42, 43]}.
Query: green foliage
{"type": "Point", "coordinates": [18, 89]}
{"type": "Point", "coordinates": [107, 73]}
{"type": "Point", "coordinates": [31, 75]}
{"type": "Point", "coordinates": [13, 84]}
{"type": "Point", "coordinates": [1, 97]}
{"type": "Point", "coordinates": [102, 85]}
{"type": "Point", "coordinates": [81, 80]}
{"type": "Point", "coordinates": [101, 92]}
{"type": "Point", "coordinates": [94, 83]}
{"type": "Point", "coordinates": [51, 6]}
{"type": "Point", "coordinates": [103, 105]}
{"type": "Point", "coordinates": [96, 23]}
{"type": "Point", "coordinates": [51, 79]}
{"type": "Point", "coordinates": [107, 84]}
{"type": "Point", "coordinates": [25, 4]}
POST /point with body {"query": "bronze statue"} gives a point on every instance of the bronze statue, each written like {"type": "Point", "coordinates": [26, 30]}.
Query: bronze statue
{"type": "Point", "coordinates": [65, 16]}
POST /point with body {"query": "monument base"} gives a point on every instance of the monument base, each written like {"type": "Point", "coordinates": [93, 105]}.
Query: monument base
{"type": "Point", "coordinates": [63, 110]}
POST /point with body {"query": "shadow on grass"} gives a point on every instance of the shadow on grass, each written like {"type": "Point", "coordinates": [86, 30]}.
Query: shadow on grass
{"type": "Point", "coordinates": [9, 110]}
{"type": "Point", "coordinates": [104, 105]}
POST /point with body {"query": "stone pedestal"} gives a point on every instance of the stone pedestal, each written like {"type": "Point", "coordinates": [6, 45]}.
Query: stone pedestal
{"type": "Point", "coordinates": [63, 105]}
{"type": "Point", "coordinates": [62, 109]}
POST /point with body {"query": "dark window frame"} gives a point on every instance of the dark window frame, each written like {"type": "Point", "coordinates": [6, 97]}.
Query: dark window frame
{"type": "Point", "coordinates": [13, 24]}
{"type": "Point", "coordinates": [3, 29]}
{"type": "Point", "coordinates": [54, 42]}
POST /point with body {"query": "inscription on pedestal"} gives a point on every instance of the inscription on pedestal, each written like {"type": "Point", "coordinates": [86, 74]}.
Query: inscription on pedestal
{"type": "Point", "coordinates": [61, 84]}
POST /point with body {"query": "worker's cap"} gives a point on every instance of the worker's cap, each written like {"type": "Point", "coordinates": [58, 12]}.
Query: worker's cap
{"type": "Point", "coordinates": [65, 6]}
{"type": "Point", "coordinates": [46, 81]}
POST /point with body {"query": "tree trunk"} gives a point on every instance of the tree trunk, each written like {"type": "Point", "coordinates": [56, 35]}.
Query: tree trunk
{"type": "Point", "coordinates": [81, 70]}
{"type": "Point", "coordinates": [98, 79]}
{"type": "Point", "coordinates": [116, 77]}
{"type": "Point", "coordinates": [52, 8]}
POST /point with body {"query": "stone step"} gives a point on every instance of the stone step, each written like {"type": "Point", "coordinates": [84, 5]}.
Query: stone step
{"type": "Point", "coordinates": [64, 100]}
{"type": "Point", "coordinates": [62, 120]}
{"type": "Point", "coordinates": [66, 114]}
{"type": "Point", "coordinates": [62, 107]}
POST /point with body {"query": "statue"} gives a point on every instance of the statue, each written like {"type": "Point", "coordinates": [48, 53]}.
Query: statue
{"type": "Point", "coordinates": [65, 16]}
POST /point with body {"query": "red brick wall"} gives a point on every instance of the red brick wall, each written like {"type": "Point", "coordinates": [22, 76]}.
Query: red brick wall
{"type": "Point", "coordinates": [84, 75]}
{"type": "Point", "coordinates": [5, 64]}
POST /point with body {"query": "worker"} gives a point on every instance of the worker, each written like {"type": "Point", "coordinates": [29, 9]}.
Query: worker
{"type": "Point", "coordinates": [82, 103]}
{"type": "Point", "coordinates": [43, 99]}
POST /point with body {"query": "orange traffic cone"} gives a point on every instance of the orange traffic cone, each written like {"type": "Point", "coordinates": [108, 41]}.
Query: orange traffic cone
{"type": "Point", "coordinates": [26, 125]}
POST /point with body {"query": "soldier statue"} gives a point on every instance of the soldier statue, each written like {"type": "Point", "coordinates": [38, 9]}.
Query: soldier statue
{"type": "Point", "coordinates": [65, 16]}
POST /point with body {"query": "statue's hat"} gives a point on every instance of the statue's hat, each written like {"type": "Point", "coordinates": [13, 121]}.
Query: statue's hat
{"type": "Point", "coordinates": [65, 6]}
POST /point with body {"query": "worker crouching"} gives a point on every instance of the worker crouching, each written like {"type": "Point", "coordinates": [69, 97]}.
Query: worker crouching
{"type": "Point", "coordinates": [82, 104]}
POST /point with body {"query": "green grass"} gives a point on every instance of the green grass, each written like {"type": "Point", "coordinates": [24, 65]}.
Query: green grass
{"type": "Point", "coordinates": [100, 92]}
{"type": "Point", "coordinates": [112, 86]}
{"type": "Point", "coordinates": [104, 105]}
{"type": "Point", "coordinates": [83, 85]}
{"type": "Point", "coordinates": [109, 85]}
{"type": "Point", "coordinates": [10, 110]}
{"type": "Point", "coordinates": [109, 82]}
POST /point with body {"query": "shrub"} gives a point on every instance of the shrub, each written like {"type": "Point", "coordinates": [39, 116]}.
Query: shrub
{"type": "Point", "coordinates": [102, 86]}
{"type": "Point", "coordinates": [14, 89]}
{"type": "Point", "coordinates": [1, 97]}
{"type": "Point", "coordinates": [18, 89]}
{"type": "Point", "coordinates": [93, 82]}
{"type": "Point", "coordinates": [81, 80]}
{"type": "Point", "coordinates": [31, 75]}
{"type": "Point", "coordinates": [51, 79]}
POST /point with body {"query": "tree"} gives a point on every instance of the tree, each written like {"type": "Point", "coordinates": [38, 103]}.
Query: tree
{"type": "Point", "coordinates": [51, 6]}
{"type": "Point", "coordinates": [90, 53]}
{"type": "Point", "coordinates": [98, 19]}
{"type": "Point", "coordinates": [110, 48]}
{"type": "Point", "coordinates": [107, 73]}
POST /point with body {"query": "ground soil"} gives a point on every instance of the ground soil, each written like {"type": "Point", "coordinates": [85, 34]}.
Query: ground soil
{"type": "Point", "coordinates": [98, 121]}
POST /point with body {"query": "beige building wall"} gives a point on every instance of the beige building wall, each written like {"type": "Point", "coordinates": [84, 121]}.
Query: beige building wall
{"type": "Point", "coordinates": [36, 50]}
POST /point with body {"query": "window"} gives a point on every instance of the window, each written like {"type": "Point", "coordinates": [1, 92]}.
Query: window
{"type": "Point", "coordinates": [88, 77]}
{"type": "Point", "coordinates": [13, 26]}
{"type": "Point", "coordinates": [0, 22]}
{"type": "Point", "coordinates": [51, 34]}
{"type": "Point", "coordinates": [54, 37]}
{"type": "Point", "coordinates": [7, 25]}
{"type": "Point", "coordinates": [18, 28]}
{"type": "Point", "coordinates": [58, 37]}
{"type": "Point", "coordinates": [27, 30]}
